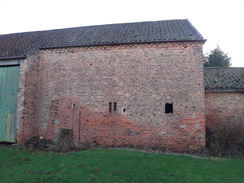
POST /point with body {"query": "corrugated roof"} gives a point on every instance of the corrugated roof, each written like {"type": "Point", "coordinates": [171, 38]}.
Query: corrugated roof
{"type": "Point", "coordinates": [224, 79]}
{"type": "Point", "coordinates": [20, 44]}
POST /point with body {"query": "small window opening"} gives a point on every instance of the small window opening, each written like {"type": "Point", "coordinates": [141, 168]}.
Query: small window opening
{"type": "Point", "coordinates": [168, 108]}
{"type": "Point", "coordinates": [110, 106]}
{"type": "Point", "coordinates": [115, 106]}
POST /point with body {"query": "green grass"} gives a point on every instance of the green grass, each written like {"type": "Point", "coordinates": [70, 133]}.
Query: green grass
{"type": "Point", "coordinates": [115, 165]}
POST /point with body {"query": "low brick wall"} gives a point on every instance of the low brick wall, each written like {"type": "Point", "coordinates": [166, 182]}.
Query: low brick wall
{"type": "Point", "coordinates": [223, 107]}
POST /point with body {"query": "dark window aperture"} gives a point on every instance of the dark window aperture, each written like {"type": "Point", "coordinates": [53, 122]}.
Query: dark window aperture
{"type": "Point", "coordinates": [168, 108]}
{"type": "Point", "coordinates": [112, 107]}
{"type": "Point", "coordinates": [115, 106]}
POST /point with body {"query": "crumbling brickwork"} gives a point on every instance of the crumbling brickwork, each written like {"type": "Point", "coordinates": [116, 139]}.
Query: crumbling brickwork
{"type": "Point", "coordinates": [26, 104]}
{"type": "Point", "coordinates": [116, 95]}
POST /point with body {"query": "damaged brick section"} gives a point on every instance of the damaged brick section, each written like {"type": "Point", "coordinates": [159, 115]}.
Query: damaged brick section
{"type": "Point", "coordinates": [116, 95]}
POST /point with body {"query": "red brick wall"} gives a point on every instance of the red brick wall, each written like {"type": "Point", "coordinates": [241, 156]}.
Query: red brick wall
{"type": "Point", "coordinates": [75, 87]}
{"type": "Point", "coordinates": [224, 107]}
{"type": "Point", "coordinates": [26, 105]}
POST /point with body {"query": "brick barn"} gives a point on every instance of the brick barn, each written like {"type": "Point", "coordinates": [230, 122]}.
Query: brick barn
{"type": "Point", "coordinates": [120, 85]}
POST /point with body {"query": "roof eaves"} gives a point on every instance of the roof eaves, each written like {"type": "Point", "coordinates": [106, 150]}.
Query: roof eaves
{"type": "Point", "coordinates": [224, 90]}
{"type": "Point", "coordinates": [13, 58]}
{"type": "Point", "coordinates": [122, 43]}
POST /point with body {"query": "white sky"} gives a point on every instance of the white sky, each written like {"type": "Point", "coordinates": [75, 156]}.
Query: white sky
{"type": "Point", "coordinates": [221, 22]}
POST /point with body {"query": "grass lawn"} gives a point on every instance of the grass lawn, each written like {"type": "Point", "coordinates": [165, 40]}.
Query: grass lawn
{"type": "Point", "coordinates": [115, 165]}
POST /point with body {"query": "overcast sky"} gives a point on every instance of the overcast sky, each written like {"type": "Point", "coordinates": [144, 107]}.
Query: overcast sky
{"type": "Point", "coordinates": [219, 21]}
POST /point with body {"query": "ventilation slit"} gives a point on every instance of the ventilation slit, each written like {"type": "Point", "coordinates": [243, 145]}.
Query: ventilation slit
{"type": "Point", "coordinates": [115, 106]}
{"type": "Point", "coordinates": [110, 107]}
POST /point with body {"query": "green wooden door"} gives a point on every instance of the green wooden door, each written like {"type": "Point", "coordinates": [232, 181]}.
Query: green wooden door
{"type": "Point", "coordinates": [9, 84]}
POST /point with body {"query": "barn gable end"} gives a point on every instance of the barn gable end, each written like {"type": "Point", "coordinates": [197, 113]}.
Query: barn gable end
{"type": "Point", "coordinates": [136, 84]}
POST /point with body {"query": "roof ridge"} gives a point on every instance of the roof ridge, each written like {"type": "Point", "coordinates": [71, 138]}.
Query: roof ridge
{"type": "Point", "coordinates": [97, 25]}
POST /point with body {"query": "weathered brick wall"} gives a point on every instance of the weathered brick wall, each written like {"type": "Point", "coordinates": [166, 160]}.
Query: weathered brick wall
{"type": "Point", "coordinates": [224, 108]}
{"type": "Point", "coordinates": [27, 96]}
{"type": "Point", "coordinates": [76, 86]}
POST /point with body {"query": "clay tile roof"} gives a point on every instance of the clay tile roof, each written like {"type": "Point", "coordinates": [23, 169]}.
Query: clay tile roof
{"type": "Point", "coordinates": [224, 79]}
{"type": "Point", "coordinates": [20, 44]}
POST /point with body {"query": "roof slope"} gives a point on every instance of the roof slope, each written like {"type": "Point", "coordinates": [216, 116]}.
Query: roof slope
{"type": "Point", "coordinates": [20, 44]}
{"type": "Point", "coordinates": [224, 79]}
